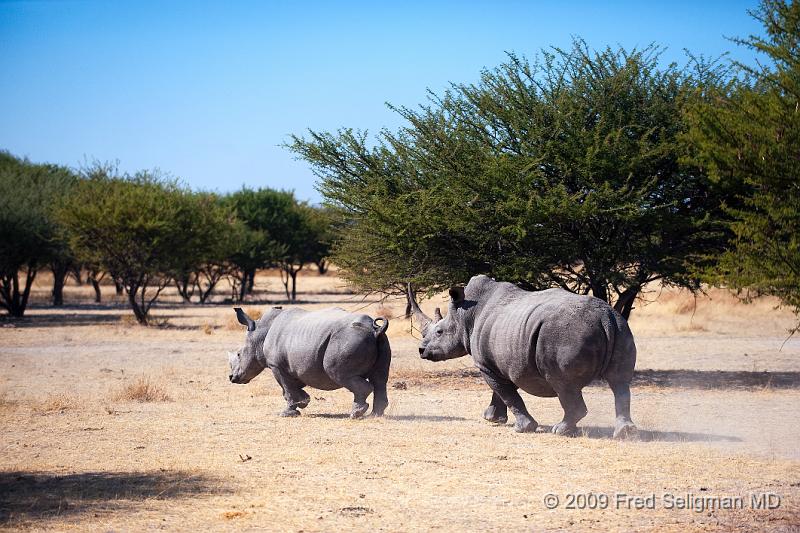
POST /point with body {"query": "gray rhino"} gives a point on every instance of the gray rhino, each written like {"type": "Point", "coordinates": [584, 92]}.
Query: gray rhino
{"type": "Point", "coordinates": [326, 349]}
{"type": "Point", "coordinates": [547, 343]}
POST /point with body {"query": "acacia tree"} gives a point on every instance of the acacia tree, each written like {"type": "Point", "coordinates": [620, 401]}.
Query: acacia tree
{"type": "Point", "coordinates": [747, 134]}
{"type": "Point", "coordinates": [261, 213]}
{"type": "Point", "coordinates": [320, 221]}
{"type": "Point", "coordinates": [138, 228]}
{"type": "Point", "coordinates": [303, 232]}
{"type": "Point", "coordinates": [563, 172]}
{"type": "Point", "coordinates": [212, 244]}
{"type": "Point", "coordinates": [29, 235]}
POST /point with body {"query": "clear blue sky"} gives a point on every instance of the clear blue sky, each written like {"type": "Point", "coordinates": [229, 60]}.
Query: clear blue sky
{"type": "Point", "coordinates": [207, 91]}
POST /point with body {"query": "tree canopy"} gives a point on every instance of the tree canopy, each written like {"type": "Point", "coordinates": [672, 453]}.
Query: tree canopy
{"type": "Point", "coordinates": [30, 237]}
{"type": "Point", "coordinates": [139, 228]}
{"type": "Point", "coordinates": [568, 171]}
{"type": "Point", "coordinates": [747, 134]}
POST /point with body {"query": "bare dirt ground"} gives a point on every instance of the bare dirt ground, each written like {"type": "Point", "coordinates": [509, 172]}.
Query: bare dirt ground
{"type": "Point", "coordinates": [715, 396]}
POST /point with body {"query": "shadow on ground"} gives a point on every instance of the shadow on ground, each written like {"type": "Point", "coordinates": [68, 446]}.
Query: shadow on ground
{"type": "Point", "coordinates": [596, 432]}
{"type": "Point", "coordinates": [401, 418]}
{"type": "Point", "coordinates": [687, 379]}
{"type": "Point", "coordinates": [716, 379]}
{"type": "Point", "coordinates": [28, 496]}
{"type": "Point", "coordinates": [62, 319]}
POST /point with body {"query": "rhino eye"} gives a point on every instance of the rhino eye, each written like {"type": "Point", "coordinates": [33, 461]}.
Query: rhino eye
{"type": "Point", "coordinates": [439, 332]}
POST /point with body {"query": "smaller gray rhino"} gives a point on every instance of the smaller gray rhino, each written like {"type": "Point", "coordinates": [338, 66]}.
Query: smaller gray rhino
{"type": "Point", "coordinates": [326, 349]}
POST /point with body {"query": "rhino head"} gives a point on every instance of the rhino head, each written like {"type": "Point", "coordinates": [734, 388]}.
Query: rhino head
{"type": "Point", "coordinates": [442, 338]}
{"type": "Point", "coordinates": [248, 361]}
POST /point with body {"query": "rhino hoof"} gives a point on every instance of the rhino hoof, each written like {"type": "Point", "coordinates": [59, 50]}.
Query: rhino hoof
{"type": "Point", "coordinates": [500, 420]}
{"type": "Point", "coordinates": [565, 429]}
{"type": "Point", "coordinates": [359, 410]}
{"type": "Point", "coordinates": [289, 413]}
{"type": "Point", "coordinates": [626, 431]}
{"type": "Point", "coordinates": [526, 426]}
{"type": "Point", "coordinates": [491, 415]}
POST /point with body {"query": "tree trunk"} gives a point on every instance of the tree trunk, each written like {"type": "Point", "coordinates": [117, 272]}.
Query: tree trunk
{"type": "Point", "coordinates": [183, 288]}
{"type": "Point", "coordinates": [408, 310]}
{"type": "Point", "coordinates": [322, 266]}
{"type": "Point", "coordinates": [119, 287]}
{"type": "Point", "coordinates": [60, 271]}
{"type": "Point", "coordinates": [624, 304]}
{"type": "Point", "coordinates": [294, 284]}
{"type": "Point", "coordinates": [251, 281]}
{"type": "Point", "coordinates": [599, 290]}
{"type": "Point", "coordinates": [96, 287]}
{"type": "Point", "coordinates": [14, 301]}
{"type": "Point", "coordinates": [243, 286]}
{"type": "Point", "coordinates": [138, 312]}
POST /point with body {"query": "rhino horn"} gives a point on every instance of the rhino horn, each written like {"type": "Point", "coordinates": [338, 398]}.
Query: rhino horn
{"type": "Point", "coordinates": [437, 315]}
{"type": "Point", "coordinates": [244, 319]}
{"type": "Point", "coordinates": [423, 319]}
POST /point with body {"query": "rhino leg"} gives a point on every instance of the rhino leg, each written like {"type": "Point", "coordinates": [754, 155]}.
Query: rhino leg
{"type": "Point", "coordinates": [379, 376]}
{"type": "Point", "coordinates": [293, 393]}
{"type": "Point", "coordinates": [361, 389]}
{"type": "Point", "coordinates": [497, 412]}
{"type": "Point", "coordinates": [574, 409]}
{"type": "Point", "coordinates": [507, 391]}
{"type": "Point", "coordinates": [624, 427]}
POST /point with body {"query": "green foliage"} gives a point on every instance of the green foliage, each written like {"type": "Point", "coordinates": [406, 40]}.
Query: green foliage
{"type": "Point", "coordinates": [29, 236]}
{"type": "Point", "coordinates": [213, 243]}
{"type": "Point", "coordinates": [279, 231]}
{"type": "Point", "coordinates": [563, 172]}
{"type": "Point", "coordinates": [747, 134]}
{"type": "Point", "coordinates": [141, 229]}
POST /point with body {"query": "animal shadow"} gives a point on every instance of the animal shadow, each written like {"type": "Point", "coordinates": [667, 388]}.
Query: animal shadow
{"type": "Point", "coordinates": [41, 495]}
{"type": "Point", "coordinates": [646, 435]}
{"type": "Point", "coordinates": [401, 418]}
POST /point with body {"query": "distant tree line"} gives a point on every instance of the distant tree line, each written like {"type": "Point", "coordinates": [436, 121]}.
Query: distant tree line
{"type": "Point", "coordinates": [146, 232]}
{"type": "Point", "coordinates": [596, 171]}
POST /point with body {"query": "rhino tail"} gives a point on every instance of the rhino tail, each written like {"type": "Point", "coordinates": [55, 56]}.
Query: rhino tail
{"type": "Point", "coordinates": [621, 356]}
{"type": "Point", "coordinates": [610, 328]}
{"type": "Point", "coordinates": [380, 324]}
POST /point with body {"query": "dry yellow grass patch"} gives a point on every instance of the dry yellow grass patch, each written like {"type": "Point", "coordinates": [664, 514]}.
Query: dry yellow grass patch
{"type": "Point", "coordinates": [143, 390]}
{"type": "Point", "coordinates": [6, 404]}
{"type": "Point", "coordinates": [57, 403]}
{"type": "Point", "coordinates": [384, 311]}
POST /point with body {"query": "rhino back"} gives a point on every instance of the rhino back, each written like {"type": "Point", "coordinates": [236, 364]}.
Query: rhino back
{"type": "Point", "coordinates": [537, 339]}
{"type": "Point", "coordinates": [303, 342]}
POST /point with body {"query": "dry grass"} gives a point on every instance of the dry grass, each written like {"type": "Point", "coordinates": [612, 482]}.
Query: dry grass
{"type": "Point", "coordinates": [57, 403]}
{"type": "Point", "coordinates": [218, 456]}
{"type": "Point", "coordinates": [6, 404]}
{"type": "Point", "coordinates": [384, 311]}
{"type": "Point", "coordinates": [693, 326]}
{"type": "Point", "coordinates": [143, 389]}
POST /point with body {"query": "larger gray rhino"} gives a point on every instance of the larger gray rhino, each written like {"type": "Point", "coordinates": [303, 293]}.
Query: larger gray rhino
{"type": "Point", "coordinates": [326, 349]}
{"type": "Point", "coordinates": [547, 343]}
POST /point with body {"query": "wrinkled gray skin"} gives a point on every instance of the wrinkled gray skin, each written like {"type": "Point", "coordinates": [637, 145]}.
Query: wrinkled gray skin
{"type": "Point", "coordinates": [326, 349]}
{"type": "Point", "coordinates": [547, 343]}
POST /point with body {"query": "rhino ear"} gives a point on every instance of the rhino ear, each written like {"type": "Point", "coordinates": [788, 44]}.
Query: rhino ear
{"type": "Point", "coordinates": [437, 314]}
{"type": "Point", "coordinates": [456, 295]}
{"type": "Point", "coordinates": [244, 319]}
